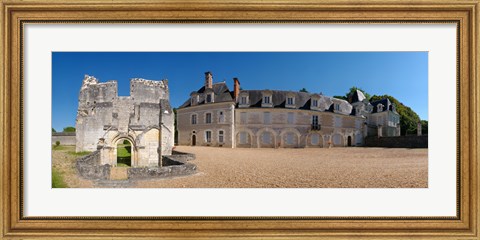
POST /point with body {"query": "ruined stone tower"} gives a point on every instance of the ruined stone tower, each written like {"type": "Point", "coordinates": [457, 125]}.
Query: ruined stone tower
{"type": "Point", "coordinates": [144, 119]}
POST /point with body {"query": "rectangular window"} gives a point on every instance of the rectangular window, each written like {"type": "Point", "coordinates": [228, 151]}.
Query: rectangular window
{"type": "Point", "coordinates": [243, 118]}
{"type": "Point", "coordinates": [290, 118]}
{"type": "Point", "coordinates": [209, 98]}
{"type": "Point", "coordinates": [290, 101]}
{"type": "Point", "coordinates": [208, 136]}
{"type": "Point", "coordinates": [337, 107]}
{"type": "Point", "coordinates": [208, 118]}
{"type": "Point", "coordinates": [266, 118]}
{"type": "Point", "coordinates": [315, 103]}
{"type": "Point", "coordinates": [220, 136]}
{"type": "Point", "coordinates": [194, 119]}
{"type": "Point", "coordinates": [266, 99]}
{"type": "Point", "coordinates": [315, 125]}
{"type": "Point", "coordinates": [243, 100]}
{"type": "Point", "coordinates": [221, 117]}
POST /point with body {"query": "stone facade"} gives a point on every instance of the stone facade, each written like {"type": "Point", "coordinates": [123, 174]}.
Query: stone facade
{"type": "Point", "coordinates": [271, 118]}
{"type": "Point", "coordinates": [144, 119]}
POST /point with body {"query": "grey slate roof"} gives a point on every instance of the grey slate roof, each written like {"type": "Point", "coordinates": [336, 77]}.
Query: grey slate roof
{"type": "Point", "coordinates": [356, 96]}
{"type": "Point", "coordinates": [385, 102]}
{"type": "Point", "coordinates": [279, 98]}
{"type": "Point", "coordinates": [220, 91]}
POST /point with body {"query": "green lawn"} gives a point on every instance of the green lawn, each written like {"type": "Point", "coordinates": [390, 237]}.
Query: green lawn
{"type": "Point", "coordinates": [124, 155]}
{"type": "Point", "coordinates": [57, 179]}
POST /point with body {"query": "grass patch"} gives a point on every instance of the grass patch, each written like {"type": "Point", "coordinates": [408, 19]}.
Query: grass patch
{"type": "Point", "coordinates": [124, 155]}
{"type": "Point", "coordinates": [59, 147]}
{"type": "Point", "coordinates": [57, 179]}
{"type": "Point", "coordinates": [82, 153]}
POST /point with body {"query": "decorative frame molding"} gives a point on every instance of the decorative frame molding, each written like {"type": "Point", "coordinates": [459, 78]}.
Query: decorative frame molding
{"type": "Point", "coordinates": [17, 13]}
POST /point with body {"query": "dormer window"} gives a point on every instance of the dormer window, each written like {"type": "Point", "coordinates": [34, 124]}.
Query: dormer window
{"type": "Point", "coordinates": [209, 98]}
{"type": "Point", "coordinates": [194, 100]}
{"type": "Point", "coordinates": [314, 103]}
{"type": "Point", "coordinates": [290, 100]}
{"type": "Point", "coordinates": [379, 107]}
{"type": "Point", "coordinates": [267, 99]}
{"type": "Point", "coordinates": [337, 107]}
{"type": "Point", "coordinates": [243, 100]}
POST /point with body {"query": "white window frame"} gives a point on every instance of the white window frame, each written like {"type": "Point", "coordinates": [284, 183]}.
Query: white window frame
{"type": "Point", "coordinates": [206, 137]}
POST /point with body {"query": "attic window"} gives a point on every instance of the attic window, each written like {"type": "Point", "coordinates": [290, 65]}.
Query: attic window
{"type": "Point", "coordinates": [337, 106]}
{"type": "Point", "coordinates": [266, 99]}
{"type": "Point", "coordinates": [379, 107]}
{"type": "Point", "coordinates": [209, 98]}
{"type": "Point", "coordinates": [314, 103]}
{"type": "Point", "coordinates": [290, 101]}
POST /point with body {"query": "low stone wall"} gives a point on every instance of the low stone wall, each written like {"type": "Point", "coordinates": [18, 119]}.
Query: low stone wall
{"type": "Point", "coordinates": [397, 142]}
{"type": "Point", "coordinates": [64, 138]}
{"type": "Point", "coordinates": [89, 167]}
{"type": "Point", "coordinates": [180, 169]}
{"type": "Point", "coordinates": [181, 156]}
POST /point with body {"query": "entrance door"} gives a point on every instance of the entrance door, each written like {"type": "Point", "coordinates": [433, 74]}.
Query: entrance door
{"type": "Point", "coordinates": [349, 141]}
{"type": "Point", "coordinates": [194, 140]}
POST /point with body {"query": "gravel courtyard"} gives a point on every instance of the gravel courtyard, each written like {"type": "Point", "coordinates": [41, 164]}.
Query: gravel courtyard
{"type": "Point", "coordinates": [302, 168]}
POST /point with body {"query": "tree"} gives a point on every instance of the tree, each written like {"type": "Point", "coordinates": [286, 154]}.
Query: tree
{"type": "Point", "coordinates": [53, 130]}
{"type": "Point", "coordinates": [69, 129]}
{"type": "Point", "coordinates": [340, 97]}
{"type": "Point", "coordinates": [304, 90]}
{"type": "Point", "coordinates": [408, 118]}
{"type": "Point", "coordinates": [424, 127]}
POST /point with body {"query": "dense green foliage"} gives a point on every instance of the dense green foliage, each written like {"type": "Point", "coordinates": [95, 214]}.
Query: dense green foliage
{"type": "Point", "coordinates": [57, 179]}
{"type": "Point", "coordinates": [69, 129]}
{"type": "Point", "coordinates": [408, 118]}
{"type": "Point", "coordinates": [57, 143]}
{"type": "Point", "coordinates": [424, 126]}
{"type": "Point", "coordinates": [53, 130]}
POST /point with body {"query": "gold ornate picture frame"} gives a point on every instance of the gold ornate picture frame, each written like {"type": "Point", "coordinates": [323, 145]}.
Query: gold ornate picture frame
{"type": "Point", "coordinates": [15, 14]}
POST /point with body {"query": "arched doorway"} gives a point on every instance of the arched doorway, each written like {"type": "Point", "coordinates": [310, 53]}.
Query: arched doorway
{"type": "Point", "coordinates": [124, 153]}
{"type": "Point", "coordinates": [349, 141]}
{"type": "Point", "coordinates": [194, 140]}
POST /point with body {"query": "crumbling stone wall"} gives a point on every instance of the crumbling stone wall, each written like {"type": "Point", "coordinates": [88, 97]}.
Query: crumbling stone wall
{"type": "Point", "coordinates": [63, 138]}
{"type": "Point", "coordinates": [145, 119]}
{"type": "Point", "coordinates": [89, 167]}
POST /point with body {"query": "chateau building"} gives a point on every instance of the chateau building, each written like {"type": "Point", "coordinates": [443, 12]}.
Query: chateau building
{"type": "Point", "coordinates": [216, 116]}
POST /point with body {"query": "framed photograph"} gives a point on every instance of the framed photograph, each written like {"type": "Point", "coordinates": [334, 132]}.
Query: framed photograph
{"type": "Point", "coordinates": [251, 119]}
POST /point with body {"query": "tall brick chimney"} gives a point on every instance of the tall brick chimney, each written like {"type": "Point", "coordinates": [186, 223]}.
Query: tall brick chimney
{"type": "Point", "coordinates": [236, 88]}
{"type": "Point", "coordinates": [208, 80]}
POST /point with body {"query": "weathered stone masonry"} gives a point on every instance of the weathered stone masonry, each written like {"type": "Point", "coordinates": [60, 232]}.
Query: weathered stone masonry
{"type": "Point", "coordinates": [145, 119]}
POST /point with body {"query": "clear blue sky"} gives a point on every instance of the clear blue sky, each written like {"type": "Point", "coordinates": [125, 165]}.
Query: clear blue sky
{"type": "Point", "coordinates": [403, 75]}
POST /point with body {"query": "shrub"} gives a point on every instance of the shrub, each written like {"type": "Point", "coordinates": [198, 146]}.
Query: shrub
{"type": "Point", "coordinates": [57, 143]}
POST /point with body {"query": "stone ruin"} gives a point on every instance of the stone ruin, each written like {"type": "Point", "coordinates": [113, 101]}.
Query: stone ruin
{"type": "Point", "coordinates": [145, 119]}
